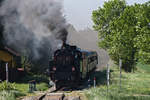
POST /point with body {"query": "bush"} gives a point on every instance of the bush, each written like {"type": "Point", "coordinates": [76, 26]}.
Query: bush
{"type": "Point", "coordinates": [7, 86]}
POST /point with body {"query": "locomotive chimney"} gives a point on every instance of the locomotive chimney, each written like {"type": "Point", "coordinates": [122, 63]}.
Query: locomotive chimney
{"type": "Point", "coordinates": [63, 45]}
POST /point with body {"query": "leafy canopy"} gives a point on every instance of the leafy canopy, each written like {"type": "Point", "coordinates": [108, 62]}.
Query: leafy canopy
{"type": "Point", "coordinates": [121, 28]}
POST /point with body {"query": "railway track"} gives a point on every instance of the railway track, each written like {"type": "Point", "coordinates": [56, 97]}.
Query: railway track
{"type": "Point", "coordinates": [53, 94]}
{"type": "Point", "coordinates": [63, 93]}
{"type": "Point", "coordinates": [59, 94]}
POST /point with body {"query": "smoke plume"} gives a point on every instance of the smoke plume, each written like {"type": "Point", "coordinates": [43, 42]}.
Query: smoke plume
{"type": "Point", "coordinates": [33, 26]}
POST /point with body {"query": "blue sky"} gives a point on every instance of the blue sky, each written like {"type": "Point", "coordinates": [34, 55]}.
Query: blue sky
{"type": "Point", "coordinates": [78, 12]}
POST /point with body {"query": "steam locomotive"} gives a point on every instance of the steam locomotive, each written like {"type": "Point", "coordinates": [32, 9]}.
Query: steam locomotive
{"type": "Point", "coordinates": [70, 65]}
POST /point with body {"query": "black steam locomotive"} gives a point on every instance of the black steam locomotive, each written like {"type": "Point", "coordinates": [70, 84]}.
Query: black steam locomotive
{"type": "Point", "coordinates": [70, 65]}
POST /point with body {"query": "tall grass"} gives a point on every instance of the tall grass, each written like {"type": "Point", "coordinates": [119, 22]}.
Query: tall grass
{"type": "Point", "coordinates": [7, 95]}
{"type": "Point", "coordinates": [10, 95]}
{"type": "Point", "coordinates": [10, 91]}
{"type": "Point", "coordinates": [134, 86]}
{"type": "Point", "coordinates": [101, 93]}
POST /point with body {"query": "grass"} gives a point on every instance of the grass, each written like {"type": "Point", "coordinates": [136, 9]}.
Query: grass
{"type": "Point", "coordinates": [10, 95]}
{"type": "Point", "coordinates": [5, 95]}
{"type": "Point", "coordinates": [135, 86]}
{"type": "Point", "coordinates": [11, 91]}
{"type": "Point", "coordinates": [143, 68]}
{"type": "Point", "coordinates": [24, 87]}
{"type": "Point", "coordinates": [21, 89]}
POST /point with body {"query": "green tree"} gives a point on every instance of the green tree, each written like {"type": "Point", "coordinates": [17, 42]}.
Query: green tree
{"type": "Point", "coordinates": [123, 32]}
{"type": "Point", "coordinates": [142, 40]}
{"type": "Point", "coordinates": [117, 24]}
{"type": "Point", "coordinates": [103, 16]}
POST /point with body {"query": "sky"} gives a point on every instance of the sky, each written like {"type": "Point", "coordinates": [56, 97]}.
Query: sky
{"type": "Point", "coordinates": [79, 12]}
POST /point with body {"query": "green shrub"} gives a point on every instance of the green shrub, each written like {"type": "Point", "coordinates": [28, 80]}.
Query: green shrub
{"type": "Point", "coordinates": [7, 86]}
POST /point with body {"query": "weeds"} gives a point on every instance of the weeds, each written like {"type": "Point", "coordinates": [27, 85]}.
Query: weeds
{"type": "Point", "coordinates": [10, 91]}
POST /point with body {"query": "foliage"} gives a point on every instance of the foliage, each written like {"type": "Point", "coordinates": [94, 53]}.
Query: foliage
{"type": "Point", "coordinates": [135, 86]}
{"type": "Point", "coordinates": [142, 40]}
{"type": "Point", "coordinates": [122, 29]}
{"type": "Point", "coordinates": [26, 64]}
{"type": "Point", "coordinates": [7, 86]}
{"type": "Point", "coordinates": [8, 91]}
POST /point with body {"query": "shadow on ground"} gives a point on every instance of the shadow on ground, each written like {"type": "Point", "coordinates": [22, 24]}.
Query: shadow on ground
{"type": "Point", "coordinates": [100, 76]}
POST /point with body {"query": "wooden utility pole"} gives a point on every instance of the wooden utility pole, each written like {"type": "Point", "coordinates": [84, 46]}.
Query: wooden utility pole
{"type": "Point", "coordinates": [7, 78]}
{"type": "Point", "coordinates": [120, 66]}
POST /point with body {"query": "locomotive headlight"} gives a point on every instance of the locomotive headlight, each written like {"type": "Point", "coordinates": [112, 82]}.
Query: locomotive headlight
{"type": "Point", "coordinates": [73, 68]}
{"type": "Point", "coordinates": [54, 68]}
